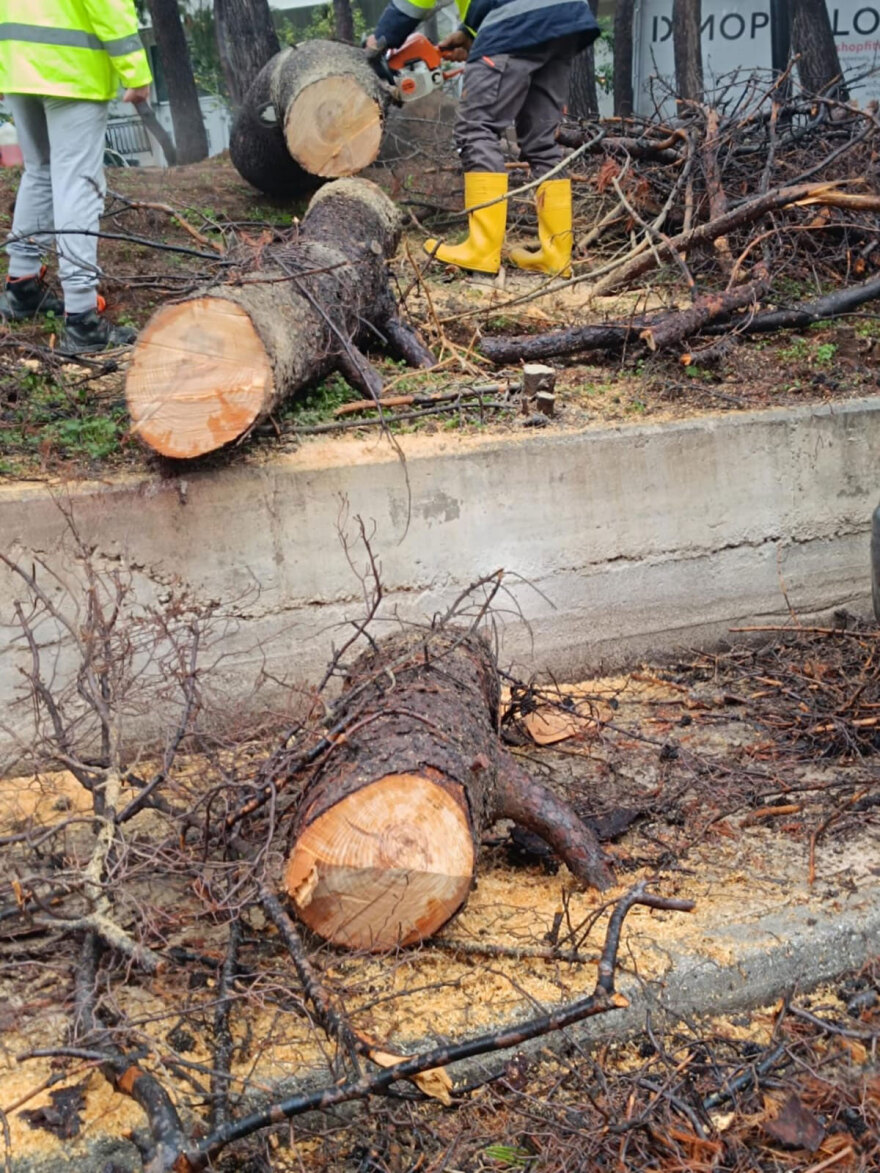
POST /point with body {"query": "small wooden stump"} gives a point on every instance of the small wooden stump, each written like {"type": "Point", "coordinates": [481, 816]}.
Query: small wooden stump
{"type": "Point", "coordinates": [538, 386]}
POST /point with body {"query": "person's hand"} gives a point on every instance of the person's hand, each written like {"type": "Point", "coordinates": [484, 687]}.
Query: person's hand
{"type": "Point", "coordinates": [371, 43]}
{"type": "Point", "coordinates": [140, 94]}
{"type": "Point", "coordinates": [457, 46]}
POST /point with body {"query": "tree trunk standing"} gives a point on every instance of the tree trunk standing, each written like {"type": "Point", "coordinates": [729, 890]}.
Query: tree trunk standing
{"type": "Point", "coordinates": [387, 833]}
{"type": "Point", "coordinates": [686, 46]}
{"type": "Point", "coordinates": [322, 103]}
{"type": "Point", "coordinates": [190, 136]}
{"type": "Point", "coordinates": [343, 21]}
{"type": "Point", "coordinates": [583, 98]}
{"type": "Point", "coordinates": [246, 39]}
{"type": "Point", "coordinates": [206, 370]}
{"type": "Point", "coordinates": [623, 58]}
{"type": "Point", "coordinates": [813, 40]}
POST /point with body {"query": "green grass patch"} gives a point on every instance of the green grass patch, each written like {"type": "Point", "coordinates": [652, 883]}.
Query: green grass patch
{"type": "Point", "coordinates": [46, 419]}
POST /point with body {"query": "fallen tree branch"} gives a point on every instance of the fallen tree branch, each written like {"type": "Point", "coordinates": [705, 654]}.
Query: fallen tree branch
{"type": "Point", "coordinates": [603, 999]}
{"type": "Point", "coordinates": [745, 213]}
{"type": "Point", "coordinates": [658, 333]}
{"type": "Point", "coordinates": [832, 305]}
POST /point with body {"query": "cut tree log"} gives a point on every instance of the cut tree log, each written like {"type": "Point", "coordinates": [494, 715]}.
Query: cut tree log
{"type": "Point", "coordinates": [207, 369]}
{"type": "Point", "coordinates": [319, 104]}
{"type": "Point", "coordinates": [386, 837]}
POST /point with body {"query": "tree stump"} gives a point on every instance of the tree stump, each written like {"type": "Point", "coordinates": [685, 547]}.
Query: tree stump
{"type": "Point", "coordinates": [207, 369]}
{"type": "Point", "coordinates": [318, 102]}
{"type": "Point", "coordinates": [386, 837]}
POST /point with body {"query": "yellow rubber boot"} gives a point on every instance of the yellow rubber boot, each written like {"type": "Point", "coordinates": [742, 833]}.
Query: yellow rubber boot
{"type": "Point", "coordinates": [481, 252]}
{"type": "Point", "coordinates": [554, 232]}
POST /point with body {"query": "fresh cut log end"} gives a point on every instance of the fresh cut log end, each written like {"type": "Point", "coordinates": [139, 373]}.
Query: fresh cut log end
{"type": "Point", "coordinates": [333, 128]}
{"type": "Point", "coordinates": [388, 865]}
{"type": "Point", "coordinates": [199, 378]}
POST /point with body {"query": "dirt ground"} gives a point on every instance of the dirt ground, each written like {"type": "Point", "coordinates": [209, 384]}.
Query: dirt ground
{"type": "Point", "coordinates": [70, 421]}
{"type": "Point", "coordinates": [745, 780]}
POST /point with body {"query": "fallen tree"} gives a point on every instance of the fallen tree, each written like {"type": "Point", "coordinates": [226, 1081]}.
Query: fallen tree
{"type": "Point", "coordinates": [386, 838]}
{"type": "Point", "coordinates": [207, 369]}
{"type": "Point", "coordinates": [317, 105]}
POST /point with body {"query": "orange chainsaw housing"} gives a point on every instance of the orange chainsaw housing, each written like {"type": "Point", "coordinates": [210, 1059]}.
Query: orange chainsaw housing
{"type": "Point", "coordinates": [416, 47]}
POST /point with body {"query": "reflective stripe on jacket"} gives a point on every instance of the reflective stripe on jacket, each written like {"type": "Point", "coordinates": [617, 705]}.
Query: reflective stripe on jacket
{"type": "Point", "coordinates": [70, 48]}
{"type": "Point", "coordinates": [498, 26]}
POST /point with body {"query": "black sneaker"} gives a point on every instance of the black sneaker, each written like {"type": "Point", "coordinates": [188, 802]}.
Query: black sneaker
{"type": "Point", "coordinates": [90, 332]}
{"type": "Point", "coordinates": [28, 297]}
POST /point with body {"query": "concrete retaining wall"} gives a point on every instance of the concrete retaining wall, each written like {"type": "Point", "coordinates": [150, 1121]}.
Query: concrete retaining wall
{"type": "Point", "coordinates": [617, 541]}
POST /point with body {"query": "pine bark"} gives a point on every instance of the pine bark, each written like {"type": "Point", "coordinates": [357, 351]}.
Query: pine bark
{"type": "Point", "coordinates": [623, 58]}
{"type": "Point", "coordinates": [246, 40]}
{"type": "Point", "coordinates": [343, 21]}
{"type": "Point", "coordinates": [208, 369]}
{"type": "Point", "coordinates": [583, 97]}
{"type": "Point", "coordinates": [387, 834]}
{"type": "Point", "coordinates": [813, 40]}
{"type": "Point", "coordinates": [687, 50]}
{"type": "Point", "coordinates": [190, 136]}
{"type": "Point", "coordinates": [322, 104]}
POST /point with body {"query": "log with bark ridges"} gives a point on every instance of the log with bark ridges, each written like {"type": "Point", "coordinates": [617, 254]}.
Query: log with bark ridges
{"type": "Point", "coordinates": [206, 370]}
{"type": "Point", "coordinates": [321, 103]}
{"type": "Point", "coordinates": [386, 837]}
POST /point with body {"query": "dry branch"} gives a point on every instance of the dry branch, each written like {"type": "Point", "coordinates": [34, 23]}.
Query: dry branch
{"type": "Point", "coordinates": [657, 333]}
{"type": "Point", "coordinates": [748, 212]}
{"type": "Point", "coordinates": [603, 999]}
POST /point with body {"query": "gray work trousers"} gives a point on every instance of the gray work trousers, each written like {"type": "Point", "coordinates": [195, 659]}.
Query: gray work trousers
{"type": "Point", "coordinates": [525, 90]}
{"type": "Point", "coordinates": [62, 188]}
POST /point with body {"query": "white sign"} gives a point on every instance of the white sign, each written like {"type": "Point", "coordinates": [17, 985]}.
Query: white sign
{"type": "Point", "coordinates": [736, 38]}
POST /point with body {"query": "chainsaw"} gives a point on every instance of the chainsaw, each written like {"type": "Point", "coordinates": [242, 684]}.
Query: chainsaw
{"type": "Point", "coordinates": [416, 69]}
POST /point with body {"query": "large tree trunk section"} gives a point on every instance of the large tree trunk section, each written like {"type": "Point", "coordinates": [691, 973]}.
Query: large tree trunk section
{"type": "Point", "coordinates": [246, 40]}
{"type": "Point", "coordinates": [623, 58]}
{"type": "Point", "coordinates": [206, 370]}
{"type": "Point", "coordinates": [387, 833]}
{"type": "Point", "coordinates": [325, 107]}
{"type": "Point", "coordinates": [583, 99]}
{"type": "Point", "coordinates": [812, 38]}
{"type": "Point", "coordinates": [343, 21]}
{"type": "Point", "coordinates": [190, 136]}
{"type": "Point", "coordinates": [687, 49]}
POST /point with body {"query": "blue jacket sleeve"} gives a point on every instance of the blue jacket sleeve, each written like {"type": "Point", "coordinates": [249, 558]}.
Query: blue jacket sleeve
{"type": "Point", "coordinates": [395, 26]}
{"type": "Point", "coordinates": [476, 13]}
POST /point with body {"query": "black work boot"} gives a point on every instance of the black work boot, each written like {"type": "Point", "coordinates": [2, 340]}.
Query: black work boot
{"type": "Point", "coordinates": [27, 297]}
{"type": "Point", "coordinates": [89, 332]}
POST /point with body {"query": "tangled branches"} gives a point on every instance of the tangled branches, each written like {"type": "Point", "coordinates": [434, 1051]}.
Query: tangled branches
{"type": "Point", "coordinates": [757, 186]}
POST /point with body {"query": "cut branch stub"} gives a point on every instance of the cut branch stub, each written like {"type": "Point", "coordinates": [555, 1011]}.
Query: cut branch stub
{"type": "Point", "coordinates": [206, 370]}
{"type": "Point", "coordinates": [322, 104]}
{"type": "Point", "coordinates": [386, 837]}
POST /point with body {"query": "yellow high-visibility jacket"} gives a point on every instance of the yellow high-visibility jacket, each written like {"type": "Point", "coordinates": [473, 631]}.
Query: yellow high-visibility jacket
{"type": "Point", "coordinates": [70, 48]}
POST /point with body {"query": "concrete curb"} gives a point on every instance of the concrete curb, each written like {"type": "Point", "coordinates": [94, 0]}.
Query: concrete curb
{"type": "Point", "coordinates": [618, 542]}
